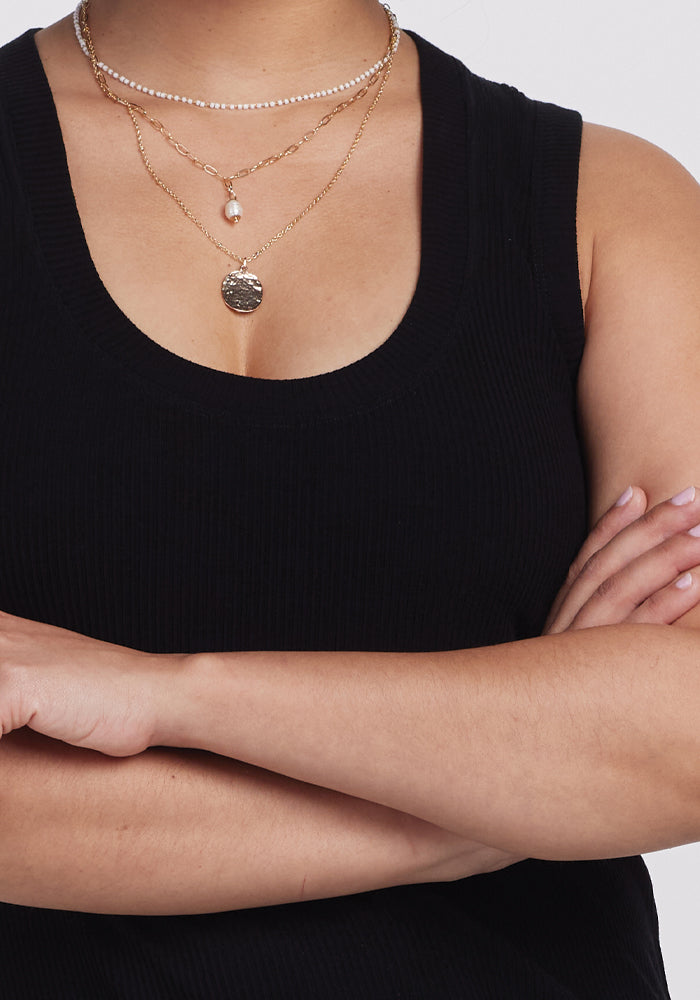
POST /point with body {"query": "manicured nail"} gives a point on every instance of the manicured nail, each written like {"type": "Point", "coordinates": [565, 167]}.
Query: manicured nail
{"type": "Point", "coordinates": [625, 498]}
{"type": "Point", "coordinates": [685, 581]}
{"type": "Point", "coordinates": [695, 532]}
{"type": "Point", "coordinates": [687, 496]}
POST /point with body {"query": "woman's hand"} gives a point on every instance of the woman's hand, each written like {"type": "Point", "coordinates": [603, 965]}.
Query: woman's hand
{"type": "Point", "coordinates": [634, 566]}
{"type": "Point", "coordinates": [80, 690]}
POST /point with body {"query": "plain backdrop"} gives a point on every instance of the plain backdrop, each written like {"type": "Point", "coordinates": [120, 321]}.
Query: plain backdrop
{"type": "Point", "coordinates": [622, 63]}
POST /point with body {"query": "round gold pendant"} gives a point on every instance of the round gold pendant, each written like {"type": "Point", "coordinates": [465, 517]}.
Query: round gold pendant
{"type": "Point", "coordinates": [242, 291]}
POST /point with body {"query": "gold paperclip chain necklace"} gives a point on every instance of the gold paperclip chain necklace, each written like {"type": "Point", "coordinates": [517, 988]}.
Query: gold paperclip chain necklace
{"type": "Point", "coordinates": [232, 208]}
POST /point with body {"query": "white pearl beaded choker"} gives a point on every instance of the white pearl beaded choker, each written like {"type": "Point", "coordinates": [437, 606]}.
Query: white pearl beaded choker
{"type": "Point", "coordinates": [250, 106]}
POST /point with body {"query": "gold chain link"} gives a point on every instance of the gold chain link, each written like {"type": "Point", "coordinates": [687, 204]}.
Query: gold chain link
{"type": "Point", "coordinates": [268, 160]}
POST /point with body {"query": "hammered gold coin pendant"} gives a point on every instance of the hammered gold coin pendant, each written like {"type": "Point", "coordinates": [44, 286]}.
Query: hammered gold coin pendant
{"type": "Point", "coordinates": [242, 290]}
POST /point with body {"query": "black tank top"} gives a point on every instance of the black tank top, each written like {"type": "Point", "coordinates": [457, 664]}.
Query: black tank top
{"type": "Point", "coordinates": [429, 496]}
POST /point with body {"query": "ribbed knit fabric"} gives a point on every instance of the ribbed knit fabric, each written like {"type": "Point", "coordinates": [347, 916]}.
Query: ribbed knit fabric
{"type": "Point", "coordinates": [429, 496]}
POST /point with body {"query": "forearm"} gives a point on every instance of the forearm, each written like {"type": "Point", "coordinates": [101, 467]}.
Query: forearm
{"type": "Point", "coordinates": [581, 745]}
{"type": "Point", "coordinates": [171, 832]}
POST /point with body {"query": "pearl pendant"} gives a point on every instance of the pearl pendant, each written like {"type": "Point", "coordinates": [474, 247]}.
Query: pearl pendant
{"type": "Point", "coordinates": [233, 210]}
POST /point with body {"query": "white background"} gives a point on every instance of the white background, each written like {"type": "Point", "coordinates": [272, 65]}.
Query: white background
{"type": "Point", "coordinates": [621, 63]}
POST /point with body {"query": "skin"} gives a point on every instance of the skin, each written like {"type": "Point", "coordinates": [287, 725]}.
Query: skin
{"type": "Point", "coordinates": [602, 733]}
{"type": "Point", "coordinates": [307, 326]}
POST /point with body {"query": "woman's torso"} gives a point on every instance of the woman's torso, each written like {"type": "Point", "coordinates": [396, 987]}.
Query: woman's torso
{"type": "Point", "coordinates": [428, 496]}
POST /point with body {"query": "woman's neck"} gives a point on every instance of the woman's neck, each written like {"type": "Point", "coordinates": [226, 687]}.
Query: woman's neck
{"type": "Point", "coordinates": [240, 49]}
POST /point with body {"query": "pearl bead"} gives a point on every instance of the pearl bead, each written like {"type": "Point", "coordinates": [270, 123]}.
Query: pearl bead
{"type": "Point", "coordinates": [179, 98]}
{"type": "Point", "coordinates": [233, 210]}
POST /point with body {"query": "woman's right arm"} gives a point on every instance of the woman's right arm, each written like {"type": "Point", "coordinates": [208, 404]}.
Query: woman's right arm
{"type": "Point", "coordinates": [171, 832]}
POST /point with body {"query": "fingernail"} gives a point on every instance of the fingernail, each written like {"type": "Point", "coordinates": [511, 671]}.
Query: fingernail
{"type": "Point", "coordinates": [625, 498]}
{"type": "Point", "coordinates": [685, 581]}
{"type": "Point", "coordinates": [687, 496]}
{"type": "Point", "coordinates": [695, 532]}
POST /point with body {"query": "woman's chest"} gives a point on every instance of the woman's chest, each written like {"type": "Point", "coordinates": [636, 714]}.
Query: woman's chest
{"type": "Point", "coordinates": [331, 232]}
{"type": "Point", "coordinates": [443, 515]}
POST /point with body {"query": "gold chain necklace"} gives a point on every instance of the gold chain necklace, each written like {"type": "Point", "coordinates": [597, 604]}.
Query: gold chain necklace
{"type": "Point", "coordinates": [241, 290]}
{"type": "Point", "coordinates": [232, 208]}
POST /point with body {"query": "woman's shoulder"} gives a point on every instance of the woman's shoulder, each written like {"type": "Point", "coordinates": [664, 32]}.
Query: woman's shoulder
{"type": "Point", "coordinates": [634, 200]}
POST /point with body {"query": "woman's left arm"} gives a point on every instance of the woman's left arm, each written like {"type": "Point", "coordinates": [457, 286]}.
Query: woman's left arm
{"type": "Point", "coordinates": [576, 745]}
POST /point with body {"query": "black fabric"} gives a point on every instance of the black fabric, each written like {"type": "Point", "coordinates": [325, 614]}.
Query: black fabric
{"type": "Point", "coordinates": [429, 496]}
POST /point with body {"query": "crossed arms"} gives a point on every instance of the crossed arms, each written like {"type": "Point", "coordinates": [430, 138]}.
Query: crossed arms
{"type": "Point", "coordinates": [579, 744]}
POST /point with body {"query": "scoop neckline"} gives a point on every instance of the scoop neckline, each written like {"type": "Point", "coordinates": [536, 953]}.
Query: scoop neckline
{"type": "Point", "coordinates": [387, 370]}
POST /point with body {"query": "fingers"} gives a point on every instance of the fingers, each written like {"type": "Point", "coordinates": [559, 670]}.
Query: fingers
{"type": "Point", "coordinates": [626, 510]}
{"type": "Point", "coordinates": [644, 557]}
{"type": "Point", "coordinates": [646, 589]}
{"type": "Point", "coordinates": [670, 603]}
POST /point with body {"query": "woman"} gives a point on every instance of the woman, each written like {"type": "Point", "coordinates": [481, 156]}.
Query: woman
{"type": "Point", "coordinates": [183, 477]}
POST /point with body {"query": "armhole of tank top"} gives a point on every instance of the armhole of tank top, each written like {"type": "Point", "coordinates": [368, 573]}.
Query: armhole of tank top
{"type": "Point", "coordinates": [556, 168]}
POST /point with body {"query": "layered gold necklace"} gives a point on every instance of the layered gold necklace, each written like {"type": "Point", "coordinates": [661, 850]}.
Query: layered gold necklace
{"type": "Point", "coordinates": [241, 290]}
